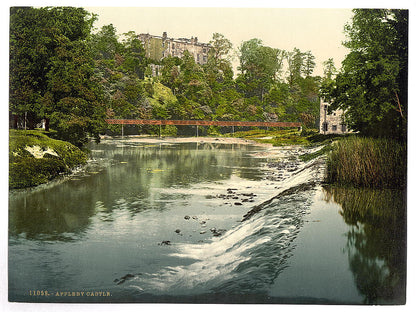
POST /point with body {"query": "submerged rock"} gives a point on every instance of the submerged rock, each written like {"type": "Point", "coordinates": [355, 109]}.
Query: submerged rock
{"type": "Point", "coordinates": [165, 242]}
{"type": "Point", "coordinates": [123, 279]}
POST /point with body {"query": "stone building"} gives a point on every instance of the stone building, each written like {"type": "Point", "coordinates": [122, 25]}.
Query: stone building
{"type": "Point", "coordinates": [331, 123]}
{"type": "Point", "coordinates": [159, 47]}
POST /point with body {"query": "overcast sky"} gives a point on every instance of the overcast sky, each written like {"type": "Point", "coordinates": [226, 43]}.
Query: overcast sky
{"type": "Point", "coordinates": [317, 30]}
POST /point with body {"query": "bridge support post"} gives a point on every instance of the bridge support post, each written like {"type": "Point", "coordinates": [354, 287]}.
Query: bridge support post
{"type": "Point", "coordinates": [196, 130]}
{"type": "Point", "coordinates": [160, 130]}
{"type": "Point", "coordinates": [122, 130]}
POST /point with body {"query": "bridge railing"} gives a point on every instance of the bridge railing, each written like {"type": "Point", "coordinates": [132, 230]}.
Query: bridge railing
{"type": "Point", "coordinates": [204, 123]}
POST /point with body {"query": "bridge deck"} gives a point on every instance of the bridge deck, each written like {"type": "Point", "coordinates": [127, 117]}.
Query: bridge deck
{"type": "Point", "coordinates": [203, 123]}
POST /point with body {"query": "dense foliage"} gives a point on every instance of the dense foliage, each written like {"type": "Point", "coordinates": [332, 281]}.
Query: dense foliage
{"type": "Point", "coordinates": [64, 71]}
{"type": "Point", "coordinates": [51, 71]}
{"type": "Point", "coordinates": [372, 84]}
{"type": "Point", "coordinates": [74, 77]}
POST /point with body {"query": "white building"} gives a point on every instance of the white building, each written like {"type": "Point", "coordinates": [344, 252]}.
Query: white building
{"type": "Point", "coordinates": [331, 123]}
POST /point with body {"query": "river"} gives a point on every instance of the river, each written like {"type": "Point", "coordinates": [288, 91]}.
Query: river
{"type": "Point", "coordinates": [204, 222]}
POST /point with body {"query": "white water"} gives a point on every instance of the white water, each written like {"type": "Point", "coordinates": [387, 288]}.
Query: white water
{"type": "Point", "coordinates": [246, 258]}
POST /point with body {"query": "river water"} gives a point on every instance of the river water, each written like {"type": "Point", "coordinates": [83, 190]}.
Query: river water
{"type": "Point", "coordinates": [204, 222]}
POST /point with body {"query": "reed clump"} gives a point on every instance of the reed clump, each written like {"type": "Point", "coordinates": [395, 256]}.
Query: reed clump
{"type": "Point", "coordinates": [367, 162]}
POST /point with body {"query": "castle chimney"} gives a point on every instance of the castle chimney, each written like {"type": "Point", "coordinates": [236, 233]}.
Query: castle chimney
{"type": "Point", "coordinates": [165, 35]}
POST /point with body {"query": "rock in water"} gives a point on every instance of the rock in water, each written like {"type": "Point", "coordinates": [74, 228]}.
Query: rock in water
{"type": "Point", "coordinates": [165, 242]}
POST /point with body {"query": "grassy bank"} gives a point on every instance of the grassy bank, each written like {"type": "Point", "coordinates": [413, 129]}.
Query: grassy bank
{"type": "Point", "coordinates": [34, 158]}
{"type": "Point", "coordinates": [367, 162]}
{"type": "Point", "coordinates": [283, 137]}
{"type": "Point", "coordinates": [276, 137]}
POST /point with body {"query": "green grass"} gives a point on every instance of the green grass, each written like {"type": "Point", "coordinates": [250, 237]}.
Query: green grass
{"type": "Point", "coordinates": [25, 170]}
{"type": "Point", "coordinates": [309, 156]}
{"type": "Point", "coordinates": [275, 137]}
{"type": "Point", "coordinates": [367, 162]}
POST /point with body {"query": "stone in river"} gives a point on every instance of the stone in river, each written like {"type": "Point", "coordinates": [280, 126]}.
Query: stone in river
{"type": "Point", "coordinates": [165, 242]}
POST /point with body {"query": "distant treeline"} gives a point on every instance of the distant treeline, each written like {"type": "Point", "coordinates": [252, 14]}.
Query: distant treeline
{"type": "Point", "coordinates": [64, 71]}
{"type": "Point", "coordinates": [73, 76]}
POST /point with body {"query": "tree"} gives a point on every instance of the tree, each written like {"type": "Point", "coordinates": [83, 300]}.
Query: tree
{"type": "Point", "coordinates": [260, 67]}
{"type": "Point", "coordinates": [372, 84]}
{"type": "Point", "coordinates": [220, 47]}
{"type": "Point", "coordinates": [133, 53]}
{"type": "Point", "coordinates": [104, 44]}
{"type": "Point", "coordinates": [295, 62]}
{"type": "Point", "coordinates": [51, 70]}
{"type": "Point", "coordinates": [329, 69]}
{"type": "Point", "coordinates": [309, 64]}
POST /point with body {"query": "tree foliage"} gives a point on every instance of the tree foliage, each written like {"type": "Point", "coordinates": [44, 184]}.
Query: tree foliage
{"type": "Point", "coordinates": [51, 70]}
{"type": "Point", "coordinates": [372, 84]}
{"type": "Point", "coordinates": [63, 71]}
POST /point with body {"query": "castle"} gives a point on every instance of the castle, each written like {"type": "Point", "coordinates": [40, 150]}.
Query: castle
{"type": "Point", "coordinates": [331, 123]}
{"type": "Point", "coordinates": [159, 47]}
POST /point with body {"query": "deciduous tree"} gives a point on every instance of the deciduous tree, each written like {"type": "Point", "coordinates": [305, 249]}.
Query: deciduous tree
{"type": "Point", "coordinates": [372, 84]}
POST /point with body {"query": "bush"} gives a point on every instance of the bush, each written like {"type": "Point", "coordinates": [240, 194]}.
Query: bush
{"type": "Point", "coordinates": [32, 171]}
{"type": "Point", "coordinates": [367, 162]}
{"type": "Point", "coordinates": [25, 170]}
{"type": "Point", "coordinates": [169, 130]}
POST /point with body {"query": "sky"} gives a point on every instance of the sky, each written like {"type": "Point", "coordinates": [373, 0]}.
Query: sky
{"type": "Point", "coordinates": [317, 30]}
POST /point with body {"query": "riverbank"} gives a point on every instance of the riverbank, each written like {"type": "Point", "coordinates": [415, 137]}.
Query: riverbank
{"type": "Point", "coordinates": [174, 140]}
{"type": "Point", "coordinates": [35, 159]}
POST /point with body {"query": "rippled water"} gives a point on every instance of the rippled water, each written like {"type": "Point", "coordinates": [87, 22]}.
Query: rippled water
{"type": "Point", "coordinates": [192, 222]}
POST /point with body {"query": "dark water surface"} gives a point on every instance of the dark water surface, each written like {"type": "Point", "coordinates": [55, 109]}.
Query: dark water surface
{"type": "Point", "coordinates": [163, 223]}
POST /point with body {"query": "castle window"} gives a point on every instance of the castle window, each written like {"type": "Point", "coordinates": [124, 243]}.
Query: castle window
{"type": "Point", "coordinates": [343, 127]}
{"type": "Point", "coordinates": [325, 126]}
{"type": "Point", "coordinates": [334, 127]}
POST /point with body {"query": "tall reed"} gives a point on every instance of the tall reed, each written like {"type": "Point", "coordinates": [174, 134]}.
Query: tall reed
{"type": "Point", "coordinates": [368, 162]}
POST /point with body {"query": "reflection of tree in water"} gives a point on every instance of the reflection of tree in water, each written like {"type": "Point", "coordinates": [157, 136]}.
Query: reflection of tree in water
{"type": "Point", "coordinates": [376, 241]}
{"type": "Point", "coordinates": [125, 178]}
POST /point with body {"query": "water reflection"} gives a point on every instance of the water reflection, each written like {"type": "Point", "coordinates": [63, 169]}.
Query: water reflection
{"type": "Point", "coordinates": [123, 177]}
{"type": "Point", "coordinates": [376, 241]}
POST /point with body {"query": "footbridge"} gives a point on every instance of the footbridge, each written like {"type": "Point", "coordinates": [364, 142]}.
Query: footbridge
{"type": "Point", "coordinates": [197, 123]}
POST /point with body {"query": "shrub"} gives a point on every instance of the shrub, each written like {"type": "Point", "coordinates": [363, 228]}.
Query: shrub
{"type": "Point", "coordinates": [169, 130]}
{"type": "Point", "coordinates": [25, 170]}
